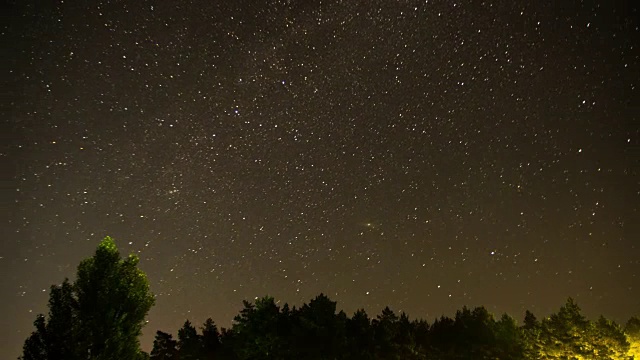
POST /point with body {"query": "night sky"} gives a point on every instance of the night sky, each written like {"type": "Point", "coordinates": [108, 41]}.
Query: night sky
{"type": "Point", "coordinates": [420, 154]}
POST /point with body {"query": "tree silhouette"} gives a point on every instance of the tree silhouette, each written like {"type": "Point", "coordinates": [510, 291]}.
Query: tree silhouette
{"type": "Point", "coordinates": [99, 316]}
{"type": "Point", "coordinates": [317, 331]}
{"type": "Point", "coordinates": [164, 347]}
{"type": "Point", "coordinates": [421, 336]}
{"type": "Point", "coordinates": [531, 330]}
{"type": "Point", "coordinates": [35, 347]}
{"type": "Point", "coordinates": [385, 330]}
{"type": "Point", "coordinates": [210, 339]}
{"type": "Point", "coordinates": [190, 346]}
{"type": "Point", "coordinates": [359, 336]}
{"type": "Point", "coordinates": [443, 336]}
{"type": "Point", "coordinates": [475, 337]}
{"type": "Point", "coordinates": [255, 331]}
{"type": "Point", "coordinates": [510, 342]}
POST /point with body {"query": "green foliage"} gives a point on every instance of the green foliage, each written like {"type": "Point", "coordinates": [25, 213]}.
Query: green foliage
{"type": "Point", "coordinates": [510, 341]}
{"type": "Point", "coordinates": [316, 330]}
{"type": "Point", "coordinates": [475, 334]}
{"type": "Point", "coordinates": [563, 333]}
{"type": "Point", "coordinates": [567, 334]}
{"type": "Point", "coordinates": [531, 331]}
{"type": "Point", "coordinates": [257, 331]}
{"type": "Point", "coordinates": [607, 340]}
{"type": "Point", "coordinates": [99, 316]}
{"type": "Point", "coordinates": [632, 330]}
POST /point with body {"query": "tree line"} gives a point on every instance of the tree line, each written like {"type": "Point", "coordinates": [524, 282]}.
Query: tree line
{"type": "Point", "coordinates": [101, 315]}
{"type": "Point", "coordinates": [263, 330]}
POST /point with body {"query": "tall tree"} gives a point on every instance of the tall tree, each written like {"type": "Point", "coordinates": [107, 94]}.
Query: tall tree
{"type": "Point", "coordinates": [564, 333]}
{"type": "Point", "coordinates": [210, 339]}
{"type": "Point", "coordinates": [475, 333]}
{"type": "Point", "coordinates": [404, 339]}
{"type": "Point", "coordinates": [189, 342]}
{"type": "Point", "coordinates": [255, 331]}
{"type": "Point", "coordinates": [360, 336]}
{"type": "Point", "coordinates": [99, 316]}
{"type": "Point", "coordinates": [421, 336]}
{"type": "Point", "coordinates": [510, 340]}
{"type": "Point", "coordinates": [385, 328]}
{"type": "Point", "coordinates": [531, 330]}
{"type": "Point", "coordinates": [164, 347]}
{"type": "Point", "coordinates": [319, 330]}
{"type": "Point", "coordinates": [443, 338]}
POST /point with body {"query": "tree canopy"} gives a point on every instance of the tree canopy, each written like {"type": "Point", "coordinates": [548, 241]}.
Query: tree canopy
{"type": "Point", "coordinates": [264, 330]}
{"type": "Point", "coordinates": [98, 316]}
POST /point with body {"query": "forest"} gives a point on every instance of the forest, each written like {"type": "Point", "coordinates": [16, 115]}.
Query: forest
{"type": "Point", "coordinates": [263, 330]}
{"type": "Point", "coordinates": [101, 315]}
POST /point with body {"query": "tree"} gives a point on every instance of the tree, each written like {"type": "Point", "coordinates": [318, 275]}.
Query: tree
{"type": "Point", "coordinates": [255, 331]}
{"type": "Point", "coordinates": [35, 347]}
{"type": "Point", "coordinates": [99, 316]}
{"type": "Point", "coordinates": [442, 338]}
{"type": "Point", "coordinates": [530, 321]}
{"type": "Point", "coordinates": [564, 334]}
{"type": "Point", "coordinates": [164, 347]}
{"type": "Point", "coordinates": [385, 330]}
{"type": "Point", "coordinates": [404, 339]}
{"type": "Point", "coordinates": [607, 339]}
{"type": "Point", "coordinates": [510, 341]}
{"type": "Point", "coordinates": [475, 333]}
{"type": "Point", "coordinates": [531, 333]}
{"type": "Point", "coordinates": [632, 330]}
{"type": "Point", "coordinates": [421, 336]}
{"type": "Point", "coordinates": [228, 342]}
{"type": "Point", "coordinates": [360, 336]}
{"type": "Point", "coordinates": [316, 332]}
{"type": "Point", "coordinates": [189, 342]}
{"type": "Point", "coordinates": [319, 331]}
{"type": "Point", "coordinates": [210, 339]}
{"type": "Point", "coordinates": [61, 313]}
{"type": "Point", "coordinates": [51, 340]}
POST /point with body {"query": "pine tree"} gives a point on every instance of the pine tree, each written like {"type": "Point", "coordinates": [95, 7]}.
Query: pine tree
{"type": "Point", "coordinates": [189, 342]}
{"type": "Point", "coordinates": [210, 339]}
{"type": "Point", "coordinates": [164, 347]}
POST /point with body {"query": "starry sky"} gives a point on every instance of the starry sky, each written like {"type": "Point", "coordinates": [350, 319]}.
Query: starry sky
{"type": "Point", "coordinates": [420, 154]}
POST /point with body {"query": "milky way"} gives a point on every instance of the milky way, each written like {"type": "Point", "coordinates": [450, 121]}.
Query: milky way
{"type": "Point", "coordinates": [423, 155]}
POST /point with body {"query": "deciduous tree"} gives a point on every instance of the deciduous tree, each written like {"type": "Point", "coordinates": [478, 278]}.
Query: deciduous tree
{"type": "Point", "coordinates": [99, 316]}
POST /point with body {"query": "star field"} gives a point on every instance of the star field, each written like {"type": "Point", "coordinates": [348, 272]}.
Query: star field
{"type": "Point", "coordinates": [419, 154]}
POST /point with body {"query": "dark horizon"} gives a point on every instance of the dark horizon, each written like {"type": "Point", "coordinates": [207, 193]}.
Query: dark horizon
{"type": "Point", "coordinates": [420, 155]}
